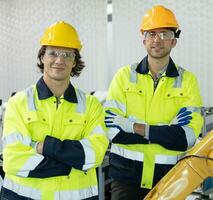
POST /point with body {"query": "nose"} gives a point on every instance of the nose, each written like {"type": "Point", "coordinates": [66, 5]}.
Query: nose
{"type": "Point", "coordinates": [59, 59]}
{"type": "Point", "coordinates": [157, 37]}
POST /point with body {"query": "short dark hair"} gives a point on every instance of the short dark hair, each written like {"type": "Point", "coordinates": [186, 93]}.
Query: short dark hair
{"type": "Point", "coordinates": [176, 31]}
{"type": "Point", "coordinates": [79, 64]}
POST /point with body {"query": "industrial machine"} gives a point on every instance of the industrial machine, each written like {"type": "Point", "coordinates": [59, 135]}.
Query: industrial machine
{"type": "Point", "coordinates": [187, 174]}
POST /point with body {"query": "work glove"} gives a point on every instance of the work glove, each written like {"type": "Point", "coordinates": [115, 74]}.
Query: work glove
{"type": "Point", "coordinates": [182, 118]}
{"type": "Point", "coordinates": [120, 122]}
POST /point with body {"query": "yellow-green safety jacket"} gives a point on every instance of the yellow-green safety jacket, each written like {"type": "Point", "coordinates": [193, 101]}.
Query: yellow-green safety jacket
{"type": "Point", "coordinates": [74, 138]}
{"type": "Point", "coordinates": [144, 161]}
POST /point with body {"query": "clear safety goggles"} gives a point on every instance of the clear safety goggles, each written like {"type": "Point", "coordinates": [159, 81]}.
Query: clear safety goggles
{"type": "Point", "coordinates": [65, 55]}
{"type": "Point", "coordinates": [164, 35]}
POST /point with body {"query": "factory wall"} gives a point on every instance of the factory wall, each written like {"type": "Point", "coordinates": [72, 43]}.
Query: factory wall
{"type": "Point", "coordinates": [107, 44]}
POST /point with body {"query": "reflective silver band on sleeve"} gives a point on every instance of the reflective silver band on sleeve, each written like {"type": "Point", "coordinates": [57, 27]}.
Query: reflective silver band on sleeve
{"type": "Point", "coordinates": [112, 132]}
{"type": "Point", "coordinates": [32, 162]}
{"type": "Point", "coordinates": [16, 137]}
{"type": "Point", "coordinates": [115, 104]}
{"type": "Point", "coordinates": [98, 130]}
{"type": "Point", "coordinates": [190, 136]}
{"type": "Point", "coordinates": [194, 109]}
{"type": "Point", "coordinates": [89, 154]}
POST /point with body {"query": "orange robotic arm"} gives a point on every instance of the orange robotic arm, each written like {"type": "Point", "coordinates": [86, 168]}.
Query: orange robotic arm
{"type": "Point", "coordinates": [187, 174]}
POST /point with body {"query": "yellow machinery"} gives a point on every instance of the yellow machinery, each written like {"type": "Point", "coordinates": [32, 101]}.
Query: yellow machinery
{"type": "Point", "coordinates": [187, 174]}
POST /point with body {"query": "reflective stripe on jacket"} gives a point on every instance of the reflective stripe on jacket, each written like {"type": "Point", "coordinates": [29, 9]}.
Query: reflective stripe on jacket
{"type": "Point", "coordinates": [74, 143]}
{"type": "Point", "coordinates": [132, 94]}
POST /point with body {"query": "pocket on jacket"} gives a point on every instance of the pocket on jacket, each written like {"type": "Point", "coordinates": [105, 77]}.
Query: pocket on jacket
{"type": "Point", "coordinates": [135, 96]}
{"type": "Point", "coordinates": [74, 126]}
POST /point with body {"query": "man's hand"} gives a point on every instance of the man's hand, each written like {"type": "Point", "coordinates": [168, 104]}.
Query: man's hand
{"type": "Point", "coordinates": [39, 147]}
{"type": "Point", "coordinates": [117, 121]}
{"type": "Point", "coordinates": [182, 118]}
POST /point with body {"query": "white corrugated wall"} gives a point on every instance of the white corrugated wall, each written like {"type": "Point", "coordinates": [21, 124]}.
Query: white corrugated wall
{"type": "Point", "coordinates": [22, 23]}
{"type": "Point", "coordinates": [194, 48]}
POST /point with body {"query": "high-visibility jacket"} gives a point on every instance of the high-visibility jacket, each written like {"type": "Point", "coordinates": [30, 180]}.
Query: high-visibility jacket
{"type": "Point", "coordinates": [143, 161]}
{"type": "Point", "coordinates": [74, 138]}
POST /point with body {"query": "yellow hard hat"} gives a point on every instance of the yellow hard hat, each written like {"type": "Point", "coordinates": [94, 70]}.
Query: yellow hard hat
{"type": "Point", "coordinates": [158, 17]}
{"type": "Point", "coordinates": [61, 34]}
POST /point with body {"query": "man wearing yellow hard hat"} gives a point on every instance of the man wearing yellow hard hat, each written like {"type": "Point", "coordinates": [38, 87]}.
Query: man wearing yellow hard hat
{"type": "Point", "coordinates": [54, 135]}
{"type": "Point", "coordinates": [152, 111]}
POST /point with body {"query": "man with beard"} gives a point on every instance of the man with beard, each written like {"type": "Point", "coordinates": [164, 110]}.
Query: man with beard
{"type": "Point", "coordinates": [152, 111]}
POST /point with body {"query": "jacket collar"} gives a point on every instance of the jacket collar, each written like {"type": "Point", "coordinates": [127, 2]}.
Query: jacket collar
{"type": "Point", "coordinates": [44, 92]}
{"type": "Point", "coordinates": [171, 70]}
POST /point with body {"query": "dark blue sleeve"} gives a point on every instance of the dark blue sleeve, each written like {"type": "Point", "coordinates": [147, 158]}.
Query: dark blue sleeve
{"type": "Point", "coordinates": [129, 138]}
{"type": "Point", "coordinates": [68, 152]}
{"type": "Point", "coordinates": [48, 168]}
{"type": "Point", "coordinates": [171, 137]}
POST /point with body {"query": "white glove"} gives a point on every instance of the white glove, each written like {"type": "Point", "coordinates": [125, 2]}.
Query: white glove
{"type": "Point", "coordinates": [120, 122]}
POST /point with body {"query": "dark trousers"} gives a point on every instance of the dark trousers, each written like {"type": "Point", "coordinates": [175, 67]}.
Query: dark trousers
{"type": "Point", "coordinates": [121, 191]}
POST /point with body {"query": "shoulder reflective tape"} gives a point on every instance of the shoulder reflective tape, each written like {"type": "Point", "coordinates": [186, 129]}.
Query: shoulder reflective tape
{"type": "Point", "coordinates": [30, 165]}
{"type": "Point", "coordinates": [81, 107]}
{"type": "Point", "coordinates": [115, 104]}
{"type": "Point", "coordinates": [190, 136]}
{"type": "Point", "coordinates": [30, 99]}
{"type": "Point", "coordinates": [16, 137]}
{"type": "Point", "coordinates": [89, 154]}
{"type": "Point", "coordinates": [133, 73]}
{"type": "Point", "coordinates": [76, 194]}
{"type": "Point", "coordinates": [178, 80]}
{"type": "Point", "coordinates": [25, 191]}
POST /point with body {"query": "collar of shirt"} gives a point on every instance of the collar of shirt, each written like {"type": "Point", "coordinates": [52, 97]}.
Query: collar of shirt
{"type": "Point", "coordinates": [171, 70]}
{"type": "Point", "coordinates": [158, 75]}
{"type": "Point", "coordinates": [44, 92]}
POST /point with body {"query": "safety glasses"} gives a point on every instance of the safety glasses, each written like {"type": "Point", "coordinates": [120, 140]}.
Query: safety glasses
{"type": "Point", "coordinates": [69, 56]}
{"type": "Point", "coordinates": [164, 35]}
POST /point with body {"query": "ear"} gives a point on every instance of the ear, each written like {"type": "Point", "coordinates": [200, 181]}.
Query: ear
{"type": "Point", "coordinates": [73, 66]}
{"type": "Point", "coordinates": [42, 59]}
{"type": "Point", "coordinates": [74, 63]}
{"type": "Point", "coordinates": [174, 42]}
{"type": "Point", "coordinates": [144, 42]}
